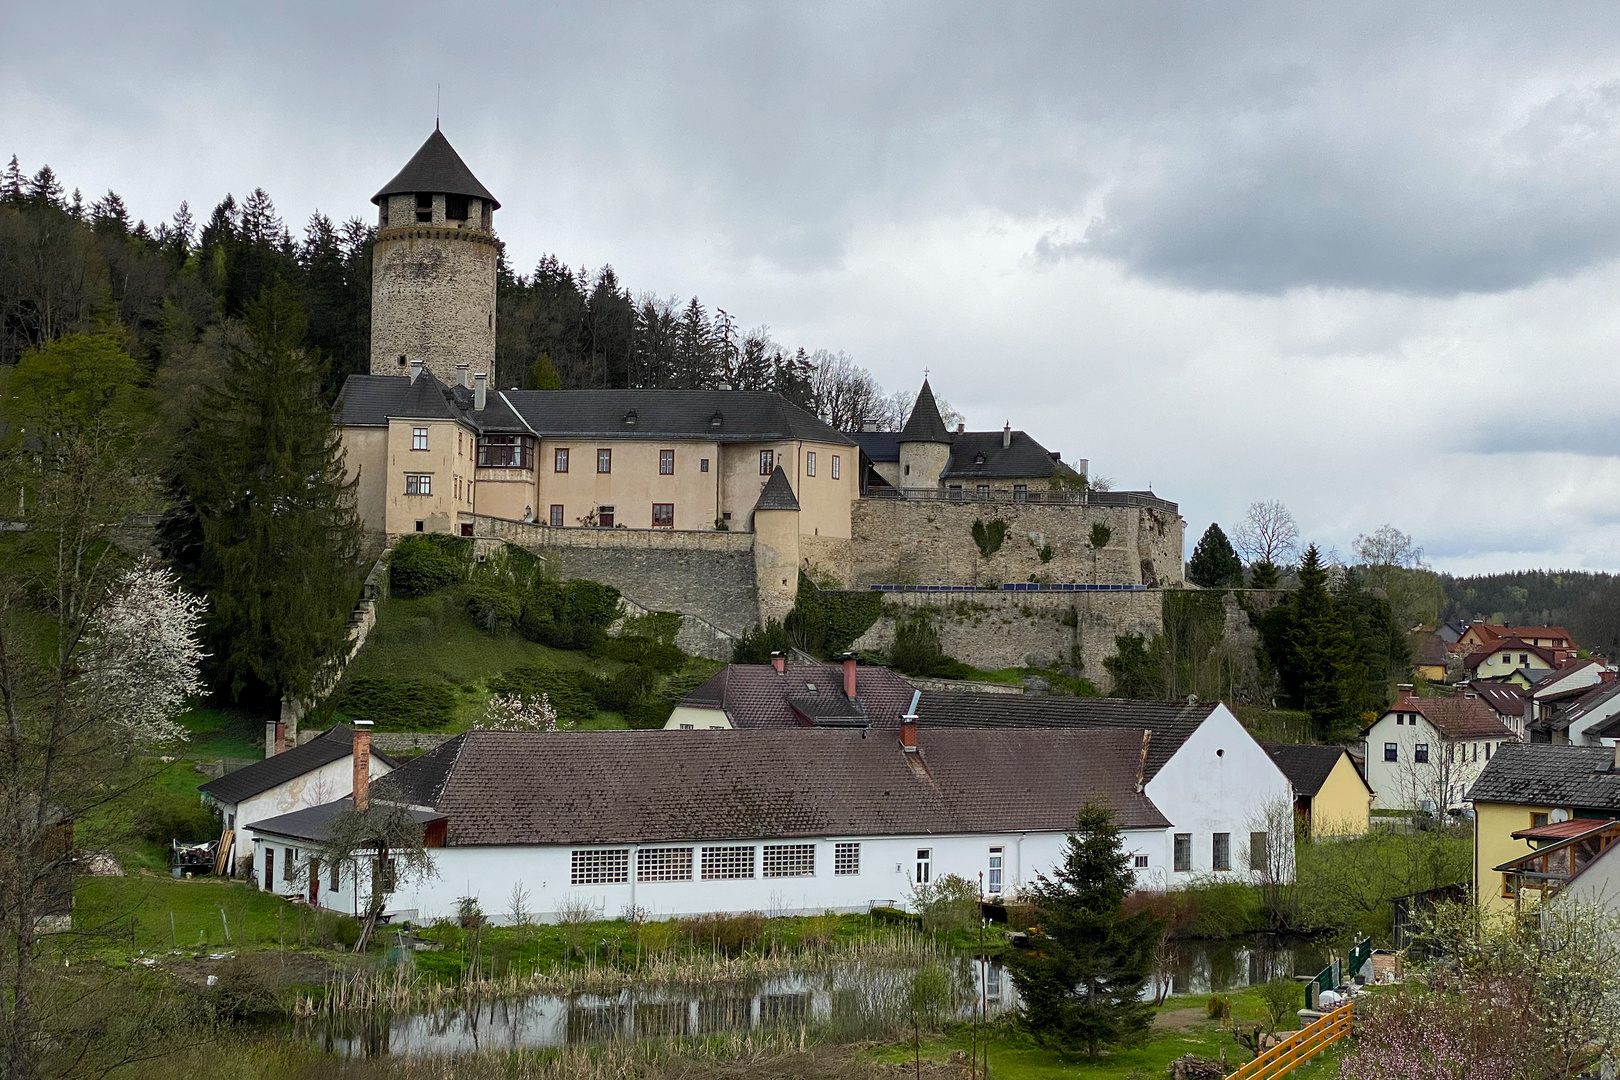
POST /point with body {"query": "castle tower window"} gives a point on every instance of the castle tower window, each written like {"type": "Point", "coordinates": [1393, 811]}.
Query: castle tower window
{"type": "Point", "coordinates": [418, 483]}
{"type": "Point", "coordinates": [424, 207]}
{"type": "Point", "coordinates": [837, 471]}
{"type": "Point", "coordinates": [455, 207]}
{"type": "Point", "coordinates": [810, 463]}
{"type": "Point", "coordinates": [419, 438]}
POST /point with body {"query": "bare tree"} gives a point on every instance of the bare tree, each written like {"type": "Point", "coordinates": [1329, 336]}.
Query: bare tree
{"type": "Point", "coordinates": [386, 839]}
{"type": "Point", "coordinates": [1274, 830]}
{"type": "Point", "coordinates": [1391, 561]}
{"type": "Point", "coordinates": [1269, 534]}
{"type": "Point", "coordinates": [844, 392]}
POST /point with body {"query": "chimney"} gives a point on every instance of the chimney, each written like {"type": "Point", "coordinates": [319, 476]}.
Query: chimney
{"type": "Point", "coordinates": [908, 733]}
{"type": "Point", "coordinates": [464, 375]}
{"type": "Point", "coordinates": [416, 369]}
{"type": "Point", "coordinates": [1403, 692]}
{"type": "Point", "coordinates": [281, 737]}
{"type": "Point", "coordinates": [849, 676]}
{"type": "Point", "coordinates": [960, 427]}
{"type": "Point", "coordinates": [1006, 435]}
{"type": "Point", "coordinates": [1083, 467]}
{"type": "Point", "coordinates": [480, 390]}
{"type": "Point", "coordinates": [362, 764]}
{"type": "Point", "coordinates": [779, 662]}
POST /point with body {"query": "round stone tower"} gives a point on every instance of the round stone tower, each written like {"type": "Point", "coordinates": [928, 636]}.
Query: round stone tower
{"type": "Point", "coordinates": [433, 268]}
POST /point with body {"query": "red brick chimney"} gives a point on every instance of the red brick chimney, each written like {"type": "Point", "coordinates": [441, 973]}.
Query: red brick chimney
{"type": "Point", "coordinates": [281, 737]}
{"type": "Point", "coordinates": [908, 733]}
{"type": "Point", "coordinates": [779, 662]}
{"type": "Point", "coordinates": [1403, 692]}
{"type": "Point", "coordinates": [362, 764]}
{"type": "Point", "coordinates": [849, 676]}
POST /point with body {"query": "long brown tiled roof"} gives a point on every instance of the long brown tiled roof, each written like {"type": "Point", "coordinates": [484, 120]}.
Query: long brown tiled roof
{"type": "Point", "coordinates": [755, 696]}
{"type": "Point", "coordinates": [1461, 717]}
{"type": "Point", "coordinates": [596, 787]}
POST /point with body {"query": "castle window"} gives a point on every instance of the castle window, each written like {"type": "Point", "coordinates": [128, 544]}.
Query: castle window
{"type": "Point", "coordinates": [424, 206]}
{"type": "Point", "coordinates": [604, 461]}
{"type": "Point", "coordinates": [1020, 493]}
{"type": "Point", "coordinates": [767, 462]}
{"type": "Point", "coordinates": [455, 207]}
{"type": "Point", "coordinates": [666, 463]}
{"type": "Point", "coordinates": [810, 463]}
{"type": "Point", "coordinates": [418, 484]}
{"type": "Point", "coordinates": [556, 515]}
{"type": "Point", "coordinates": [604, 516]}
{"type": "Point", "coordinates": [663, 515]}
{"type": "Point", "coordinates": [703, 465]}
{"type": "Point", "coordinates": [506, 452]}
{"type": "Point", "coordinates": [419, 438]}
{"type": "Point", "coordinates": [836, 467]}
{"type": "Point", "coordinates": [559, 459]}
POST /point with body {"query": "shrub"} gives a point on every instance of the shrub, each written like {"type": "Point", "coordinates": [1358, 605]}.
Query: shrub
{"type": "Point", "coordinates": [989, 535]}
{"type": "Point", "coordinates": [333, 930]}
{"type": "Point", "coordinates": [756, 645]}
{"type": "Point", "coordinates": [167, 816]}
{"type": "Point", "coordinates": [245, 990]}
{"type": "Point", "coordinates": [824, 623]}
{"type": "Point", "coordinates": [397, 704]}
{"type": "Point", "coordinates": [729, 935]}
{"type": "Point", "coordinates": [573, 615]}
{"type": "Point", "coordinates": [623, 690]}
{"type": "Point", "coordinates": [947, 903]}
{"type": "Point", "coordinates": [494, 609]}
{"type": "Point", "coordinates": [647, 652]}
{"type": "Point", "coordinates": [1281, 997]}
{"type": "Point", "coordinates": [653, 710]}
{"type": "Point", "coordinates": [426, 563]}
{"type": "Point", "coordinates": [572, 693]}
{"type": "Point", "coordinates": [916, 649]}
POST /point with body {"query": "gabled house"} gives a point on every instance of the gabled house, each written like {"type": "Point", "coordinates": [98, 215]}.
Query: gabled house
{"type": "Point", "coordinates": [1528, 801]}
{"type": "Point", "coordinates": [786, 821]}
{"type": "Point", "coordinates": [1567, 682]}
{"type": "Point", "coordinates": [1583, 719]}
{"type": "Point", "coordinates": [314, 773]}
{"type": "Point", "coordinates": [1431, 660]}
{"type": "Point", "coordinates": [782, 694]}
{"type": "Point", "coordinates": [1480, 634]}
{"type": "Point", "coordinates": [1424, 753]}
{"type": "Point", "coordinates": [1331, 796]}
{"type": "Point", "coordinates": [1502, 657]}
{"type": "Point", "coordinates": [1511, 703]}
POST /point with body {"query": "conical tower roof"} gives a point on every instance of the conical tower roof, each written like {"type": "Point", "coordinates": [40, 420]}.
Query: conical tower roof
{"type": "Point", "coordinates": [778, 493]}
{"type": "Point", "coordinates": [436, 168]}
{"type": "Point", "coordinates": [925, 424]}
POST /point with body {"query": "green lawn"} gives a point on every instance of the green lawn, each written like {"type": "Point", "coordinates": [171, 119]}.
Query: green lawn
{"type": "Point", "coordinates": [121, 915]}
{"type": "Point", "coordinates": [222, 733]}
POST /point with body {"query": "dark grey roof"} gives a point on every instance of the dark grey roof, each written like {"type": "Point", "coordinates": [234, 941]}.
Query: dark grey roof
{"type": "Point", "coordinates": [436, 168]}
{"type": "Point", "coordinates": [498, 787]}
{"type": "Point", "coordinates": [1171, 722]}
{"type": "Point", "coordinates": [261, 776]}
{"type": "Point", "coordinates": [754, 696]}
{"type": "Point", "coordinates": [1307, 767]}
{"type": "Point", "coordinates": [314, 823]}
{"type": "Point", "coordinates": [1546, 774]}
{"type": "Point", "coordinates": [371, 400]}
{"type": "Point", "coordinates": [980, 455]}
{"type": "Point", "coordinates": [925, 425]}
{"type": "Point", "coordinates": [878, 445]}
{"type": "Point", "coordinates": [1593, 699]}
{"type": "Point", "coordinates": [778, 493]}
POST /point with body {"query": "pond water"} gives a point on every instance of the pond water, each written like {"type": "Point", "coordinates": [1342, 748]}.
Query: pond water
{"type": "Point", "coordinates": [851, 1003]}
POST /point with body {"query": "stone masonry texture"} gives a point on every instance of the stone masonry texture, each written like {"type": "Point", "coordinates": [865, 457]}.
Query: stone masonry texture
{"type": "Point", "coordinates": [433, 299]}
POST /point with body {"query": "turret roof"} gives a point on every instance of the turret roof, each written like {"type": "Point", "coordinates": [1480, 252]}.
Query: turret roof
{"type": "Point", "coordinates": [778, 493]}
{"type": "Point", "coordinates": [925, 425]}
{"type": "Point", "coordinates": [436, 167]}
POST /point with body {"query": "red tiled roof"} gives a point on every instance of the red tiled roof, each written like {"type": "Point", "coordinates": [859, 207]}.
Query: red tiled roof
{"type": "Point", "coordinates": [1506, 698]}
{"type": "Point", "coordinates": [1511, 644]}
{"type": "Point", "coordinates": [755, 696]}
{"type": "Point", "coordinates": [1561, 830]}
{"type": "Point", "coordinates": [1456, 717]}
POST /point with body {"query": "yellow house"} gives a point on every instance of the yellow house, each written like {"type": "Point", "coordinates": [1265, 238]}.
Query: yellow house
{"type": "Point", "coordinates": [1330, 794]}
{"type": "Point", "coordinates": [1530, 796]}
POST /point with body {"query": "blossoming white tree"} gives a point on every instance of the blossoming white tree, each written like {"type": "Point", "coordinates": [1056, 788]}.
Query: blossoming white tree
{"type": "Point", "coordinates": [514, 712]}
{"type": "Point", "coordinates": [143, 659]}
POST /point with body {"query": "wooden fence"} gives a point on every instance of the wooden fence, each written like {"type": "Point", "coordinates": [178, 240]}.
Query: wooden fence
{"type": "Point", "coordinates": [1299, 1047]}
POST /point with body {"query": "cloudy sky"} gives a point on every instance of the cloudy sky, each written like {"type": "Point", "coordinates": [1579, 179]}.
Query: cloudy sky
{"type": "Point", "coordinates": [1365, 264]}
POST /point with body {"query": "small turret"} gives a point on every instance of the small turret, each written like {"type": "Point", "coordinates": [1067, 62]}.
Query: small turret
{"type": "Point", "coordinates": [925, 443]}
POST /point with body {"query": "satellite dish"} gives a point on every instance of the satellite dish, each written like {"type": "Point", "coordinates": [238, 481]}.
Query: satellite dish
{"type": "Point", "coordinates": [1558, 815]}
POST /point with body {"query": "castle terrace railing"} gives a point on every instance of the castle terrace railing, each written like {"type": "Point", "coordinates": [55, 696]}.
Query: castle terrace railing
{"type": "Point", "coordinates": [1010, 586]}
{"type": "Point", "coordinates": [1040, 497]}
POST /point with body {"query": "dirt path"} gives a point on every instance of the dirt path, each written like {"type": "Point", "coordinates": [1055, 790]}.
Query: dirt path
{"type": "Point", "coordinates": [1179, 1019]}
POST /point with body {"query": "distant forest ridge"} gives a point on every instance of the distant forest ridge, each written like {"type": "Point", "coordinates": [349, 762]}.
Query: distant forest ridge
{"type": "Point", "coordinates": [1584, 602]}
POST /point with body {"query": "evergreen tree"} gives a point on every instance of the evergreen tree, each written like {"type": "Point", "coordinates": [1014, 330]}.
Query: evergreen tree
{"type": "Point", "coordinates": [1214, 564]}
{"type": "Point", "coordinates": [1264, 575]}
{"type": "Point", "coordinates": [1081, 979]}
{"type": "Point", "coordinates": [267, 528]}
{"type": "Point", "coordinates": [1137, 667]}
{"type": "Point", "coordinates": [1311, 644]}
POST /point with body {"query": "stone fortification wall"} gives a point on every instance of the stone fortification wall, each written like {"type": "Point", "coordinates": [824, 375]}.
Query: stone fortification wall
{"type": "Point", "coordinates": [433, 299]}
{"type": "Point", "coordinates": [826, 558]}
{"type": "Point", "coordinates": [995, 630]}
{"type": "Point", "coordinates": [930, 542]}
{"type": "Point", "coordinates": [706, 574]}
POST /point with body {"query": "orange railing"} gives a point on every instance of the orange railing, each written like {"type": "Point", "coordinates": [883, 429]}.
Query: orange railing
{"type": "Point", "coordinates": [1299, 1047]}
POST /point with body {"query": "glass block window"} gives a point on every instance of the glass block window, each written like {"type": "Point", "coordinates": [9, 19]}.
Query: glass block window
{"type": "Point", "coordinates": [418, 483]}
{"type": "Point", "coordinates": [601, 866]}
{"type": "Point", "coordinates": [788, 860]}
{"type": "Point", "coordinates": [664, 864]}
{"type": "Point", "coordinates": [847, 859]}
{"type": "Point", "coordinates": [727, 862]}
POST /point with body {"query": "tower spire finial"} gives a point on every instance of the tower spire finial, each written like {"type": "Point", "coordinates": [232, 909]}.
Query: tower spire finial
{"type": "Point", "coordinates": [437, 90]}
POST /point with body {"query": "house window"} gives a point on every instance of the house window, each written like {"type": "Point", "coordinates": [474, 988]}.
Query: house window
{"type": "Point", "coordinates": [703, 464]}
{"type": "Point", "coordinates": [788, 860]}
{"type": "Point", "coordinates": [1537, 820]}
{"type": "Point", "coordinates": [556, 515]}
{"type": "Point", "coordinates": [419, 525]}
{"type": "Point", "coordinates": [1391, 752]}
{"type": "Point", "coordinates": [604, 460]}
{"type": "Point", "coordinates": [666, 463]}
{"type": "Point", "coordinates": [604, 516]}
{"type": "Point", "coordinates": [506, 452]}
{"type": "Point", "coordinates": [1139, 862]}
{"type": "Point", "coordinates": [1451, 751]}
{"type": "Point", "coordinates": [810, 463]}
{"type": "Point", "coordinates": [1487, 751]}
{"type": "Point", "coordinates": [1524, 658]}
{"type": "Point", "coordinates": [387, 876]}
{"type": "Point", "coordinates": [925, 865]}
{"type": "Point", "coordinates": [337, 876]}
{"type": "Point", "coordinates": [458, 489]}
{"type": "Point", "coordinates": [1220, 852]}
{"type": "Point", "coordinates": [1420, 753]}
{"type": "Point", "coordinates": [419, 438]}
{"type": "Point", "coordinates": [837, 467]}
{"type": "Point", "coordinates": [721, 863]}
{"type": "Point", "coordinates": [664, 864]}
{"type": "Point", "coordinates": [982, 491]}
{"type": "Point", "coordinates": [846, 860]}
{"type": "Point", "coordinates": [1259, 851]}
{"type": "Point", "coordinates": [600, 866]}
{"type": "Point", "coordinates": [559, 459]}
{"type": "Point", "coordinates": [663, 515]}
{"type": "Point", "coordinates": [269, 867]}
{"type": "Point", "coordinates": [1020, 493]}
{"type": "Point", "coordinates": [767, 462]}
{"type": "Point", "coordinates": [418, 484]}
{"type": "Point", "coordinates": [1183, 853]}
{"type": "Point", "coordinates": [287, 864]}
{"type": "Point", "coordinates": [994, 877]}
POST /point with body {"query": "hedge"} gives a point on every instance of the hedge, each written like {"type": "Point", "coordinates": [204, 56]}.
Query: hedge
{"type": "Point", "coordinates": [397, 704]}
{"type": "Point", "coordinates": [425, 563]}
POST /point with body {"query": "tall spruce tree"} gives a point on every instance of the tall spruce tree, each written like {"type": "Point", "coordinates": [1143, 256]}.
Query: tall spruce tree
{"type": "Point", "coordinates": [267, 527]}
{"type": "Point", "coordinates": [1312, 644]}
{"type": "Point", "coordinates": [1081, 979]}
{"type": "Point", "coordinates": [1214, 564]}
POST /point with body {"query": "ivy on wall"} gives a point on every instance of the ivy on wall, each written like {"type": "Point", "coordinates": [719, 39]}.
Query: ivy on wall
{"type": "Point", "coordinates": [989, 535]}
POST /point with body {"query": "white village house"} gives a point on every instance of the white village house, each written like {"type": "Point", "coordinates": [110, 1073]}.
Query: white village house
{"type": "Point", "coordinates": [737, 821]}
{"type": "Point", "coordinates": [1425, 753]}
{"type": "Point", "coordinates": [317, 772]}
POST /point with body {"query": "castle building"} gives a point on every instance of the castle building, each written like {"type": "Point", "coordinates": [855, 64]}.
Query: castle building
{"type": "Point", "coordinates": [433, 268]}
